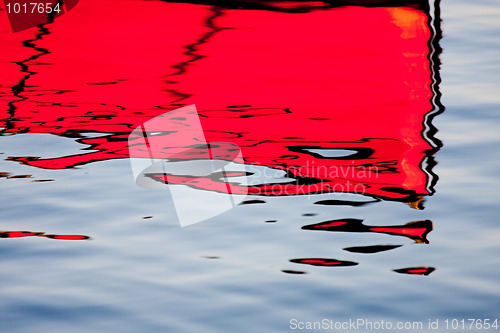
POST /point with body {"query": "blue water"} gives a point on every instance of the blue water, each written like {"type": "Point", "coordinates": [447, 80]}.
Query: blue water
{"type": "Point", "coordinates": [141, 272]}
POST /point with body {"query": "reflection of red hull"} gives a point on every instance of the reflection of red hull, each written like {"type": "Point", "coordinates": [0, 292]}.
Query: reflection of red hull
{"type": "Point", "coordinates": [272, 83]}
{"type": "Point", "coordinates": [17, 234]}
{"type": "Point", "coordinates": [416, 270]}
{"type": "Point", "coordinates": [417, 230]}
{"type": "Point", "coordinates": [325, 262]}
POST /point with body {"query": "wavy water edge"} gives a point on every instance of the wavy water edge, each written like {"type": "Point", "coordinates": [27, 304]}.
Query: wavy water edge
{"type": "Point", "coordinates": [156, 275]}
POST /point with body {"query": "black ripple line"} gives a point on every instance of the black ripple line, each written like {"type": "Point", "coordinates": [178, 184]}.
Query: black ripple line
{"type": "Point", "coordinates": [18, 88]}
{"type": "Point", "coordinates": [192, 51]}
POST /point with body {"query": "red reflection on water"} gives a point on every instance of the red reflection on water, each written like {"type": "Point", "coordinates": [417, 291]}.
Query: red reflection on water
{"type": "Point", "coordinates": [417, 230]}
{"type": "Point", "coordinates": [416, 270]}
{"type": "Point", "coordinates": [17, 234]}
{"type": "Point", "coordinates": [67, 237]}
{"type": "Point", "coordinates": [323, 262]}
{"type": "Point", "coordinates": [288, 88]}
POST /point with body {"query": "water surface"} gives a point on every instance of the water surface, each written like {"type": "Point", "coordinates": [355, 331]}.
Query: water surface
{"type": "Point", "coordinates": [317, 93]}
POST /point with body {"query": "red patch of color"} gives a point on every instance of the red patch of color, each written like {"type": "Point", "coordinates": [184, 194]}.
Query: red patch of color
{"type": "Point", "coordinates": [268, 82]}
{"type": "Point", "coordinates": [67, 237]}
{"type": "Point", "coordinates": [321, 262]}
{"type": "Point", "coordinates": [417, 271]}
{"type": "Point", "coordinates": [417, 232]}
{"type": "Point", "coordinates": [331, 224]}
{"type": "Point", "coordinates": [15, 234]}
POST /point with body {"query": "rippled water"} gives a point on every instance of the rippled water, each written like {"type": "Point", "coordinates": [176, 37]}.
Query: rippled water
{"type": "Point", "coordinates": [326, 97]}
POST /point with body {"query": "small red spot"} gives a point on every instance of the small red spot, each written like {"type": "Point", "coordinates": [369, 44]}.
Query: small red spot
{"type": "Point", "coordinates": [14, 234]}
{"type": "Point", "coordinates": [329, 225]}
{"type": "Point", "coordinates": [67, 237]}
{"type": "Point", "coordinates": [322, 262]}
{"type": "Point", "coordinates": [416, 270]}
{"type": "Point", "coordinates": [402, 231]}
